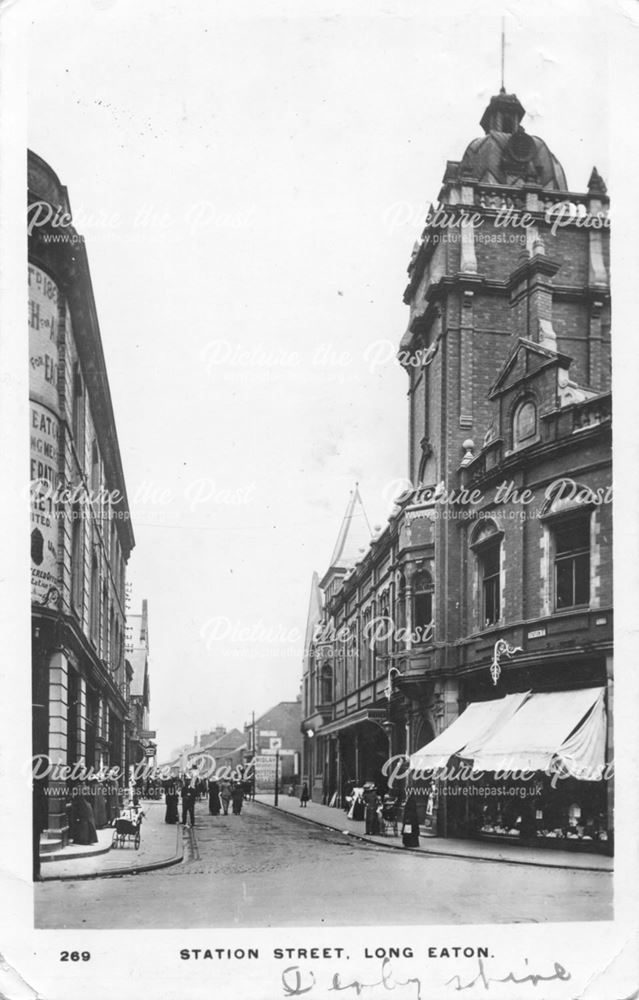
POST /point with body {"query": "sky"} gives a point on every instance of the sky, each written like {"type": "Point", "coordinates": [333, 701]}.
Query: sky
{"type": "Point", "coordinates": [249, 180]}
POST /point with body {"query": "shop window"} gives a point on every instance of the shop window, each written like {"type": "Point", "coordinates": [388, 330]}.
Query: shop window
{"type": "Point", "coordinates": [524, 424]}
{"type": "Point", "coordinates": [571, 544]}
{"type": "Point", "coordinates": [423, 607]}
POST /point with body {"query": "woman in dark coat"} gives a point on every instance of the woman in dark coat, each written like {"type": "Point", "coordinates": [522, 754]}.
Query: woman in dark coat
{"type": "Point", "coordinates": [371, 802]}
{"type": "Point", "coordinates": [171, 798]}
{"type": "Point", "coordinates": [84, 831]}
{"type": "Point", "coordinates": [410, 825]}
{"type": "Point", "coordinates": [214, 798]}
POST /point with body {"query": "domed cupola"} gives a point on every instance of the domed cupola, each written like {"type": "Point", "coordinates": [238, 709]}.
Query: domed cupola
{"type": "Point", "coordinates": [506, 154]}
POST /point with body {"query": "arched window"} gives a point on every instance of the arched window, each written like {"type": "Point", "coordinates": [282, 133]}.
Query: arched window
{"type": "Point", "coordinates": [486, 543]}
{"type": "Point", "coordinates": [384, 632]}
{"type": "Point", "coordinates": [368, 644]}
{"type": "Point", "coordinates": [326, 684]}
{"type": "Point", "coordinates": [524, 424]}
{"type": "Point", "coordinates": [422, 606]}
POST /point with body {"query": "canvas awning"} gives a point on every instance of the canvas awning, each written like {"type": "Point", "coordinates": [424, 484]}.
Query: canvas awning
{"type": "Point", "coordinates": [477, 724]}
{"type": "Point", "coordinates": [564, 727]}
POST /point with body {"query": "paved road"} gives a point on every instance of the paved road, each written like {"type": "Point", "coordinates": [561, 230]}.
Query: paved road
{"type": "Point", "coordinates": [265, 869]}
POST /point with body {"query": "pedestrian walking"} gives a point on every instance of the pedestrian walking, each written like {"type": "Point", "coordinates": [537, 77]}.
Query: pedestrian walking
{"type": "Point", "coordinates": [410, 824]}
{"type": "Point", "coordinates": [304, 796]}
{"type": "Point", "coordinates": [188, 805]}
{"type": "Point", "coordinates": [225, 796]}
{"type": "Point", "coordinates": [171, 799]}
{"type": "Point", "coordinates": [237, 795]}
{"type": "Point", "coordinates": [214, 798]}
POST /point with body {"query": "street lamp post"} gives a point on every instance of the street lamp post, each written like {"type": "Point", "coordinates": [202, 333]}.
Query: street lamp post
{"type": "Point", "coordinates": [277, 771]}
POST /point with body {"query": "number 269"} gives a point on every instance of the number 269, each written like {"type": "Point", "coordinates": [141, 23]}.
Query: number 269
{"type": "Point", "coordinates": [75, 956]}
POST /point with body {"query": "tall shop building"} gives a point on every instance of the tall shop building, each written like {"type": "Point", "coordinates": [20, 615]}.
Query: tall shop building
{"type": "Point", "coordinates": [507, 356]}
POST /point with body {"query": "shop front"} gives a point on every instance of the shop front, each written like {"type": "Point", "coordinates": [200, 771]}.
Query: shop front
{"type": "Point", "coordinates": [528, 768]}
{"type": "Point", "coordinates": [358, 748]}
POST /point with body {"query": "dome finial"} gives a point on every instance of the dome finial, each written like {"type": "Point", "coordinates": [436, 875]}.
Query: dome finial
{"type": "Point", "coordinates": [502, 89]}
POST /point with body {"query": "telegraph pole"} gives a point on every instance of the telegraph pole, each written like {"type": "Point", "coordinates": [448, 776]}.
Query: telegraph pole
{"type": "Point", "coordinates": [254, 754]}
{"type": "Point", "coordinates": [277, 773]}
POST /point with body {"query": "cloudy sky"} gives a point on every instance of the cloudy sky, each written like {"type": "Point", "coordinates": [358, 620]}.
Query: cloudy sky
{"type": "Point", "coordinates": [250, 179]}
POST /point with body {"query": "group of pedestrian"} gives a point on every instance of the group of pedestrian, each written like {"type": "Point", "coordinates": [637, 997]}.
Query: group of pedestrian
{"type": "Point", "coordinates": [382, 814]}
{"type": "Point", "coordinates": [222, 795]}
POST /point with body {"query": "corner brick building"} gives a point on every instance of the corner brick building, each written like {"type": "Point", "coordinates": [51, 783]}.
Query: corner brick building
{"type": "Point", "coordinates": [81, 532]}
{"type": "Point", "coordinates": [500, 553]}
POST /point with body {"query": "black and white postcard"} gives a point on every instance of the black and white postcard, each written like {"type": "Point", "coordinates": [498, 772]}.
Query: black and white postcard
{"type": "Point", "coordinates": [313, 577]}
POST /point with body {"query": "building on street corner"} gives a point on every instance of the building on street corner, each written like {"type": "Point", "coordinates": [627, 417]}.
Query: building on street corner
{"type": "Point", "coordinates": [476, 627]}
{"type": "Point", "coordinates": [275, 736]}
{"type": "Point", "coordinates": [81, 533]}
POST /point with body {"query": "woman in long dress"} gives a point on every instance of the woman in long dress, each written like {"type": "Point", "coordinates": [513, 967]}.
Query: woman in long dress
{"type": "Point", "coordinates": [171, 799]}
{"type": "Point", "coordinates": [84, 831]}
{"type": "Point", "coordinates": [214, 798]}
{"type": "Point", "coordinates": [410, 824]}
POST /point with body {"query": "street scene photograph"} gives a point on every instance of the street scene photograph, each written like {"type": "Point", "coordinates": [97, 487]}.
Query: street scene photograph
{"type": "Point", "coordinates": [320, 441]}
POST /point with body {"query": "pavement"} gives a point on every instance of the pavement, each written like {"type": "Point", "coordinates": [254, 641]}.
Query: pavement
{"type": "Point", "coordinates": [333, 818]}
{"type": "Point", "coordinates": [161, 845]}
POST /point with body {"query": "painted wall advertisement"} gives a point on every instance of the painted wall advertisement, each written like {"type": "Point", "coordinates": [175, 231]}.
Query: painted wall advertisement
{"type": "Point", "coordinates": [43, 335]}
{"type": "Point", "coordinates": [44, 431]}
